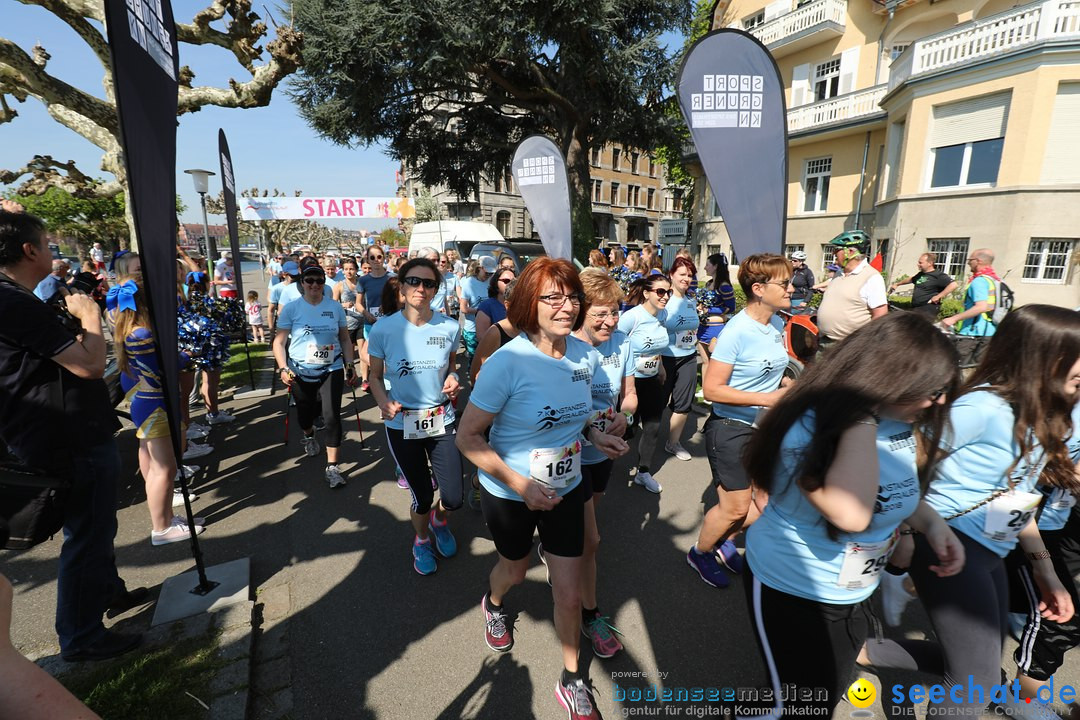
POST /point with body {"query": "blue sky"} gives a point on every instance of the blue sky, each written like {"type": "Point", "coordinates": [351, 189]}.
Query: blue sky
{"type": "Point", "coordinates": [271, 147]}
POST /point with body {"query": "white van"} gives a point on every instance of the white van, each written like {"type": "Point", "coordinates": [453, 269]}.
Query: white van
{"type": "Point", "coordinates": [459, 235]}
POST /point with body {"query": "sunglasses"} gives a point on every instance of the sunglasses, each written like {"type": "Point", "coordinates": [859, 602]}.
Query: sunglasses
{"type": "Point", "coordinates": [375, 257]}
{"type": "Point", "coordinates": [315, 281]}
{"type": "Point", "coordinates": [506, 280]}
{"type": "Point", "coordinates": [413, 281]}
{"type": "Point", "coordinates": [661, 292]}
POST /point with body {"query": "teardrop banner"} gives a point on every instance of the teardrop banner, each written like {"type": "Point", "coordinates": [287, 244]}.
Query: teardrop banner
{"type": "Point", "coordinates": [228, 187]}
{"type": "Point", "coordinates": [732, 97]}
{"type": "Point", "coordinates": [540, 171]}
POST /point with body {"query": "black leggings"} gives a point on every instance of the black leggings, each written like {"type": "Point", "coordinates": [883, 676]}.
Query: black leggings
{"type": "Point", "coordinates": [412, 458]}
{"type": "Point", "coordinates": [309, 391]}
{"type": "Point", "coordinates": [968, 612]}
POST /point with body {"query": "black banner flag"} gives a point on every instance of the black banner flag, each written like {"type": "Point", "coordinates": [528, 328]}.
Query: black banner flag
{"type": "Point", "coordinates": [229, 190]}
{"type": "Point", "coordinates": [732, 98]}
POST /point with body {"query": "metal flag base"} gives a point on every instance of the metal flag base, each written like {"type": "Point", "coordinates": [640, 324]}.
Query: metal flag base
{"type": "Point", "coordinates": [182, 595]}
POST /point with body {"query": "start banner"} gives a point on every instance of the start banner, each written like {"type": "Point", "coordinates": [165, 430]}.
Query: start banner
{"type": "Point", "coordinates": [316, 208]}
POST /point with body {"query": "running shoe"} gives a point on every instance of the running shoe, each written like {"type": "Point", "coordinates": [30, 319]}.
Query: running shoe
{"type": "Point", "coordinates": [894, 597]}
{"type": "Point", "coordinates": [729, 556]}
{"type": "Point", "coordinates": [219, 418]}
{"type": "Point", "coordinates": [190, 470]}
{"type": "Point", "coordinates": [176, 532]}
{"type": "Point", "coordinates": [599, 631]}
{"type": "Point", "coordinates": [401, 481]}
{"type": "Point", "coordinates": [334, 476]}
{"type": "Point", "coordinates": [365, 387]}
{"type": "Point", "coordinates": [195, 450]}
{"type": "Point", "coordinates": [178, 497]}
{"type": "Point", "coordinates": [472, 494]}
{"type": "Point", "coordinates": [445, 544]}
{"type": "Point", "coordinates": [647, 481]}
{"type": "Point", "coordinates": [197, 432]}
{"type": "Point", "coordinates": [498, 632]}
{"type": "Point", "coordinates": [678, 451]}
{"type": "Point", "coordinates": [576, 699]}
{"type": "Point", "coordinates": [423, 557]}
{"type": "Point", "coordinates": [310, 445]}
{"type": "Point", "coordinates": [181, 520]}
{"type": "Point", "coordinates": [543, 561]}
{"type": "Point", "coordinates": [708, 567]}
{"type": "Point", "coordinates": [199, 427]}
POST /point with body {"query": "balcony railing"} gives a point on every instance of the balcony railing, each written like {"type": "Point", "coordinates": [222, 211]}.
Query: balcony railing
{"type": "Point", "coordinates": [801, 22]}
{"type": "Point", "coordinates": [854, 105]}
{"type": "Point", "coordinates": [982, 39]}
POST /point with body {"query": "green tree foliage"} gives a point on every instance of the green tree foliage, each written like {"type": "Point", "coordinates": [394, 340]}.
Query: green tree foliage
{"type": "Point", "coordinates": [454, 85]}
{"type": "Point", "coordinates": [86, 220]}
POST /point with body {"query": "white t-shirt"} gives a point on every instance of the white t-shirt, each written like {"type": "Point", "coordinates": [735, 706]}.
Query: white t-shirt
{"type": "Point", "coordinates": [873, 291]}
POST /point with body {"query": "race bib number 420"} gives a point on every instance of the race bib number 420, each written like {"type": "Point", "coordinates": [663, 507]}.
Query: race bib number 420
{"type": "Point", "coordinates": [319, 354]}
{"type": "Point", "coordinates": [556, 467]}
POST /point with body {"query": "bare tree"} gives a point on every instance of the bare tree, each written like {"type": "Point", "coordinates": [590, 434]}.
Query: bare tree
{"type": "Point", "coordinates": [24, 75]}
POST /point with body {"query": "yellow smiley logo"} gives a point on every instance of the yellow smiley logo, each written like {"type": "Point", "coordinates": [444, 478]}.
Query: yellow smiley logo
{"type": "Point", "coordinates": [862, 693]}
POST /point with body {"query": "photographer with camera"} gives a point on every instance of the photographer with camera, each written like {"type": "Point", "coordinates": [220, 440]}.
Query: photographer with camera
{"type": "Point", "coordinates": [51, 388]}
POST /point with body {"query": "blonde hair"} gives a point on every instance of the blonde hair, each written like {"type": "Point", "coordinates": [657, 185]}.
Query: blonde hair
{"type": "Point", "coordinates": [633, 261]}
{"type": "Point", "coordinates": [600, 288]}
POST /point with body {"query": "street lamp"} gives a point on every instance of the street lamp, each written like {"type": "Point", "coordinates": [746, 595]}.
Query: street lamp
{"type": "Point", "coordinates": [201, 178]}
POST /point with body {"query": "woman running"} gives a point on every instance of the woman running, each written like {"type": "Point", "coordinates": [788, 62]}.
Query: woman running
{"type": "Point", "coordinates": [472, 290]}
{"type": "Point", "coordinates": [744, 376]}
{"type": "Point", "coordinates": [535, 396]}
{"type": "Point", "coordinates": [843, 459]}
{"type": "Point", "coordinates": [644, 325]}
{"type": "Point", "coordinates": [345, 292]}
{"type": "Point", "coordinates": [418, 345]}
{"type": "Point", "coordinates": [613, 397]}
{"type": "Point", "coordinates": [680, 354]}
{"type": "Point", "coordinates": [371, 287]}
{"type": "Point", "coordinates": [493, 309]}
{"type": "Point", "coordinates": [315, 359]}
{"type": "Point", "coordinates": [1007, 433]}
{"type": "Point", "coordinates": [140, 379]}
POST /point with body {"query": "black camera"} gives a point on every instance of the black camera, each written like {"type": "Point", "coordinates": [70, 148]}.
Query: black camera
{"type": "Point", "coordinates": [71, 323]}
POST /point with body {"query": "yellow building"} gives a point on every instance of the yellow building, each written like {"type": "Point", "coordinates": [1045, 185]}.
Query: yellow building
{"type": "Point", "coordinates": [935, 126]}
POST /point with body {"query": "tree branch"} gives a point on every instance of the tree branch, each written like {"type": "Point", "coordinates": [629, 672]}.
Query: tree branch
{"type": "Point", "coordinates": [45, 172]}
{"type": "Point", "coordinates": [74, 13]}
{"type": "Point", "coordinates": [244, 30]}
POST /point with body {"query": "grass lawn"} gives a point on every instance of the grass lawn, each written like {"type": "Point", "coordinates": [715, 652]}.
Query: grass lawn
{"type": "Point", "coordinates": [151, 684]}
{"type": "Point", "coordinates": [235, 372]}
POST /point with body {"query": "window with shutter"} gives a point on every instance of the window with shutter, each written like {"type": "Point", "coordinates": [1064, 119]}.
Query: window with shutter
{"type": "Point", "coordinates": [1061, 163]}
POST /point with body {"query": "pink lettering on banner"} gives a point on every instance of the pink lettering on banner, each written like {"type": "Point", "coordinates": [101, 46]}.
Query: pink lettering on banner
{"type": "Point", "coordinates": [308, 210]}
{"type": "Point", "coordinates": [346, 208]}
{"type": "Point", "coordinates": [319, 202]}
{"type": "Point", "coordinates": [332, 208]}
{"type": "Point", "coordinates": [359, 207]}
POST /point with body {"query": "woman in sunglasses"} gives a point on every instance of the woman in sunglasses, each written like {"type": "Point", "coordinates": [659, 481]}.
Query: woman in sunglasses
{"type": "Point", "coordinates": [415, 346]}
{"type": "Point", "coordinates": [493, 309]}
{"type": "Point", "coordinates": [644, 325]}
{"type": "Point", "coordinates": [316, 363]}
{"type": "Point", "coordinates": [368, 302]}
{"type": "Point", "coordinates": [744, 375]}
{"type": "Point", "coordinates": [535, 395]}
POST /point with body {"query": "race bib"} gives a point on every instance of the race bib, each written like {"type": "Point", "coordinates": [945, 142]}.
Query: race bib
{"type": "Point", "coordinates": [556, 467]}
{"type": "Point", "coordinates": [685, 339]}
{"type": "Point", "coordinates": [647, 365]}
{"type": "Point", "coordinates": [601, 420]}
{"type": "Point", "coordinates": [1007, 515]}
{"type": "Point", "coordinates": [426, 423]}
{"type": "Point", "coordinates": [319, 354]}
{"type": "Point", "coordinates": [1061, 499]}
{"type": "Point", "coordinates": [863, 563]}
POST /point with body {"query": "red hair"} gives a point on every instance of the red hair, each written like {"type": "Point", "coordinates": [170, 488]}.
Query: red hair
{"type": "Point", "coordinates": [534, 281]}
{"type": "Point", "coordinates": [685, 262]}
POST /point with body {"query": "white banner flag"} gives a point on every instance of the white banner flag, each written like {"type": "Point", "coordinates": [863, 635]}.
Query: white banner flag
{"type": "Point", "coordinates": [317, 208]}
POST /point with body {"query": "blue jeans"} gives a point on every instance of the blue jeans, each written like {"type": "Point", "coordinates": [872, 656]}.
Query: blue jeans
{"type": "Point", "coordinates": [87, 580]}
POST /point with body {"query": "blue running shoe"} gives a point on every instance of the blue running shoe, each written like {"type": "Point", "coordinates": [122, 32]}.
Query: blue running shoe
{"type": "Point", "coordinates": [445, 544]}
{"type": "Point", "coordinates": [729, 556]}
{"type": "Point", "coordinates": [707, 567]}
{"type": "Point", "coordinates": [423, 557]}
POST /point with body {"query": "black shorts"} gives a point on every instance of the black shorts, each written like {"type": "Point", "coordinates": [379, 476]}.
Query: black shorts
{"type": "Point", "coordinates": [512, 524]}
{"type": "Point", "coordinates": [356, 332]}
{"type": "Point", "coordinates": [412, 458]}
{"type": "Point", "coordinates": [724, 443]}
{"type": "Point", "coordinates": [651, 399]}
{"type": "Point", "coordinates": [680, 382]}
{"type": "Point", "coordinates": [595, 477]}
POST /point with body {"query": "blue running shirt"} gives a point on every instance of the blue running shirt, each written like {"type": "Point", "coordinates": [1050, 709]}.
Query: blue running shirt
{"type": "Point", "coordinates": [616, 363]}
{"type": "Point", "coordinates": [474, 290]}
{"type": "Point", "coordinates": [758, 357]}
{"type": "Point", "coordinates": [416, 360]}
{"type": "Point", "coordinates": [649, 338]}
{"type": "Point", "coordinates": [538, 402]}
{"type": "Point", "coordinates": [314, 346]}
{"type": "Point", "coordinates": [789, 547]}
{"type": "Point", "coordinates": [681, 320]}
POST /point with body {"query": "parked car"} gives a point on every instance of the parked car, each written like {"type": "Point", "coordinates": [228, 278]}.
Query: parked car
{"type": "Point", "coordinates": [521, 251]}
{"type": "Point", "coordinates": [459, 235]}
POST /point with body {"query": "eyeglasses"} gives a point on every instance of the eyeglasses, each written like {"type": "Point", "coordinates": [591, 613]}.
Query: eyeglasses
{"type": "Point", "coordinates": [661, 292]}
{"type": "Point", "coordinates": [781, 283]}
{"type": "Point", "coordinates": [315, 281]}
{"type": "Point", "coordinates": [937, 394]}
{"type": "Point", "coordinates": [414, 281]}
{"type": "Point", "coordinates": [557, 300]}
{"type": "Point", "coordinates": [604, 316]}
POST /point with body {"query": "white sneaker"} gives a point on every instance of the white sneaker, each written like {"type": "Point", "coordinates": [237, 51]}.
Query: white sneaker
{"type": "Point", "coordinates": [310, 445]}
{"type": "Point", "coordinates": [334, 476]}
{"type": "Point", "coordinates": [176, 532]}
{"type": "Point", "coordinates": [219, 418]}
{"type": "Point", "coordinates": [190, 470]}
{"type": "Point", "coordinates": [894, 597]}
{"type": "Point", "coordinates": [678, 451]}
{"type": "Point", "coordinates": [197, 432]}
{"type": "Point", "coordinates": [181, 520]}
{"type": "Point", "coordinates": [195, 450]}
{"type": "Point", "coordinates": [178, 497]}
{"type": "Point", "coordinates": [647, 481]}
